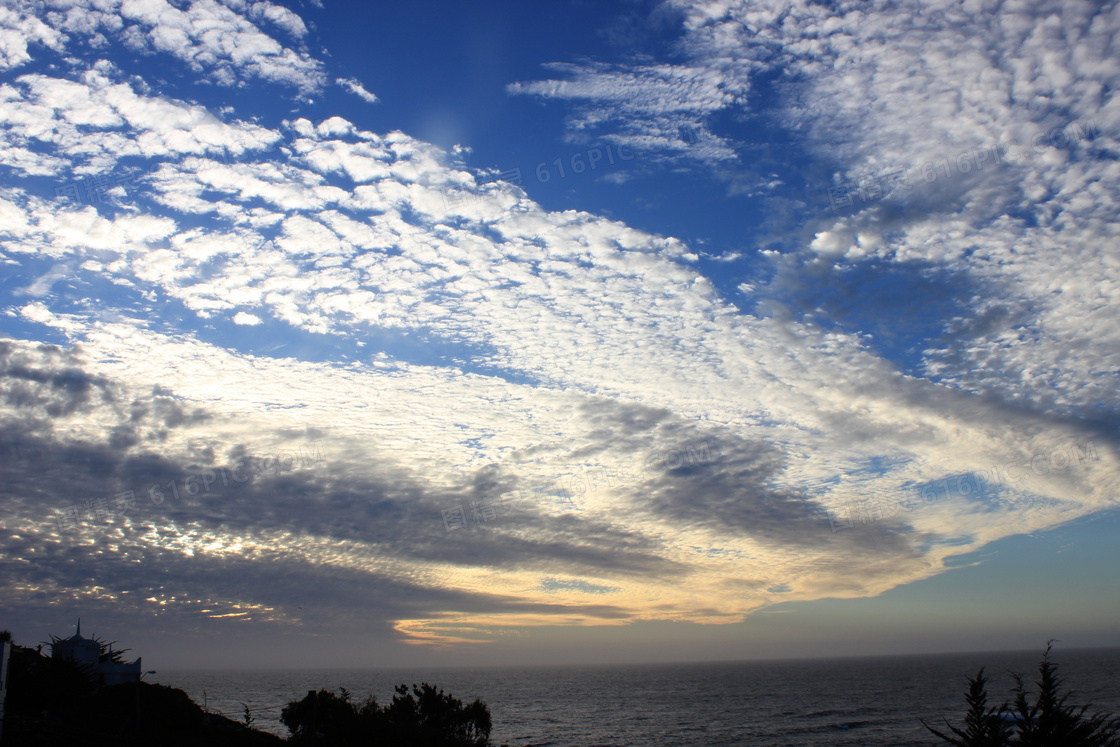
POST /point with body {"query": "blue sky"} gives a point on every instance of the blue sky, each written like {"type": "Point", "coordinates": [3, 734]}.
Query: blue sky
{"type": "Point", "coordinates": [442, 333]}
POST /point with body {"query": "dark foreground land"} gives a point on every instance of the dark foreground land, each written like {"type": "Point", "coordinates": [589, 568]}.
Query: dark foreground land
{"type": "Point", "coordinates": [53, 702]}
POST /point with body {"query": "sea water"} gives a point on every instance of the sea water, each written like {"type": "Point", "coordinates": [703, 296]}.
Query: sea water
{"type": "Point", "coordinates": [857, 701]}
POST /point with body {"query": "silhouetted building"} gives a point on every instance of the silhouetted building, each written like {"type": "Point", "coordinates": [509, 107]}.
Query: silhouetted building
{"type": "Point", "coordinates": [87, 652]}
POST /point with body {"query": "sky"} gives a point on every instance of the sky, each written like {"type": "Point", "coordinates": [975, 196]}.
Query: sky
{"type": "Point", "coordinates": [455, 334]}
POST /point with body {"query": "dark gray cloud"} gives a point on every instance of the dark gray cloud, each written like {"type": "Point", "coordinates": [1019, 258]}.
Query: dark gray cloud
{"type": "Point", "coordinates": [72, 494]}
{"type": "Point", "coordinates": [50, 383]}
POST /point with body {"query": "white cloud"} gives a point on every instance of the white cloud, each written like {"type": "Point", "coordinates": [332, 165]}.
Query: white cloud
{"type": "Point", "coordinates": [355, 87]}
{"type": "Point", "coordinates": [18, 28]}
{"type": "Point", "coordinates": [873, 92]}
{"type": "Point", "coordinates": [96, 122]}
{"type": "Point", "coordinates": [657, 108]}
{"type": "Point", "coordinates": [577, 347]}
{"type": "Point", "coordinates": [211, 37]}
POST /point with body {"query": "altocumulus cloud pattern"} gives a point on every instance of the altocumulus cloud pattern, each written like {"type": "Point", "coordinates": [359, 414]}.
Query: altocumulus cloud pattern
{"type": "Point", "coordinates": [326, 335]}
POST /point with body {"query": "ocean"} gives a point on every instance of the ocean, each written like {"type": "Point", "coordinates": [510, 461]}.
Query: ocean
{"type": "Point", "coordinates": [856, 701]}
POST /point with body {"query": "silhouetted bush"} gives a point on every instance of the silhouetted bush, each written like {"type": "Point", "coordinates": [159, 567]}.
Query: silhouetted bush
{"type": "Point", "coordinates": [323, 718]}
{"type": "Point", "coordinates": [1049, 722]}
{"type": "Point", "coordinates": [424, 717]}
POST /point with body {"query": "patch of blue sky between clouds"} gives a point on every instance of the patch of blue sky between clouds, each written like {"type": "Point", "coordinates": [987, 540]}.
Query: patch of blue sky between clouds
{"type": "Point", "coordinates": [102, 301]}
{"type": "Point", "coordinates": [899, 311]}
{"type": "Point", "coordinates": [555, 584]}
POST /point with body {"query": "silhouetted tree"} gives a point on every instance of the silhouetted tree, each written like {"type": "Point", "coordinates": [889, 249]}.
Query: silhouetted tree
{"type": "Point", "coordinates": [108, 653]}
{"type": "Point", "coordinates": [983, 726]}
{"type": "Point", "coordinates": [1052, 723]}
{"type": "Point", "coordinates": [427, 717]}
{"type": "Point", "coordinates": [1049, 722]}
{"type": "Point", "coordinates": [322, 718]}
{"type": "Point", "coordinates": [422, 717]}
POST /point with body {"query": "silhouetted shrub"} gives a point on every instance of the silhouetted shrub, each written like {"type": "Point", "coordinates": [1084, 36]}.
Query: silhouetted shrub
{"type": "Point", "coordinates": [323, 718]}
{"type": "Point", "coordinates": [427, 717]}
{"type": "Point", "coordinates": [424, 717]}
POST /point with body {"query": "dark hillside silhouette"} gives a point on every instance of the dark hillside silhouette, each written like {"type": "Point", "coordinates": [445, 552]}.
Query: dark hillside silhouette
{"type": "Point", "coordinates": [54, 702]}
